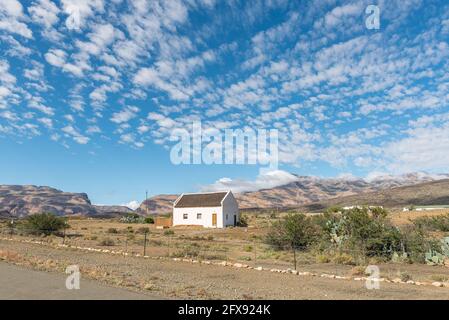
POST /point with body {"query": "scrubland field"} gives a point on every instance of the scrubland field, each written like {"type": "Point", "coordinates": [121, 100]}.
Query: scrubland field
{"type": "Point", "coordinates": [232, 263]}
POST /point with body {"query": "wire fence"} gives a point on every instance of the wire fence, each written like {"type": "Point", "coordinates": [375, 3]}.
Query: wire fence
{"type": "Point", "coordinates": [146, 242]}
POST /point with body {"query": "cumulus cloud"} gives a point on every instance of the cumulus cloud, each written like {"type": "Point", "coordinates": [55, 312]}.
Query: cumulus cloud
{"type": "Point", "coordinates": [132, 204]}
{"type": "Point", "coordinates": [266, 180]}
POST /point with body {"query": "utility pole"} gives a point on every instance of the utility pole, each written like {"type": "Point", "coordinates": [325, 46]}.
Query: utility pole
{"type": "Point", "coordinates": [146, 201]}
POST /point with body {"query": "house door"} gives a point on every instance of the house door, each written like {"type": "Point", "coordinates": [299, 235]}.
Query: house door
{"type": "Point", "coordinates": [235, 220]}
{"type": "Point", "coordinates": [214, 219]}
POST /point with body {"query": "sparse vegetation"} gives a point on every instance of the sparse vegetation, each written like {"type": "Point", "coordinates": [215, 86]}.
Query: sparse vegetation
{"type": "Point", "coordinates": [243, 221]}
{"type": "Point", "coordinates": [107, 242]}
{"type": "Point", "coordinates": [112, 230]}
{"type": "Point", "coordinates": [132, 218]}
{"type": "Point", "coordinates": [149, 220]}
{"type": "Point", "coordinates": [352, 236]}
{"type": "Point", "coordinates": [294, 231]}
{"type": "Point", "coordinates": [436, 223]}
{"type": "Point", "coordinates": [43, 224]}
{"type": "Point", "coordinates": [143, 230]}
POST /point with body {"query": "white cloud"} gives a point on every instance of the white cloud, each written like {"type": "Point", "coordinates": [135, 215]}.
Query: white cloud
{"type": "Point", "coordinates": [425, 148]}
{"type": "Point", "coordinates": [266, 180]}
{"type": "Point", "coordinates": [56, 57]}
{"type": "Point", "coordinates": [11, 16]}
{"type": "Point", "coordinates": [132, 204]}
{"type": "Point", "coordinates": [44, 12]}
{"type": "Point", "coordinates": [79, 138]}
{"type": "Point", "coordinates": [125, 115]}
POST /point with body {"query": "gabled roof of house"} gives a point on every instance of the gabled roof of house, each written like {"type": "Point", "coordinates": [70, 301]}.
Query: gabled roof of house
{"type": "Point", "coordinates": [192, 200]}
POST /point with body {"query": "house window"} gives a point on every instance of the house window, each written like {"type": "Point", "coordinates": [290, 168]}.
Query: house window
{"type": "Point", "coordinates": [185, 216]}
{"type": "Point", "coordinates": [198, 215]}
{"type": "Point", "coordinates": [226, 216]}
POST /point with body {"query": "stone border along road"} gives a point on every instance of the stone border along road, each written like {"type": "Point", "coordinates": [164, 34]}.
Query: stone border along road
{"type": "Point", "coordinates": [234, 265]}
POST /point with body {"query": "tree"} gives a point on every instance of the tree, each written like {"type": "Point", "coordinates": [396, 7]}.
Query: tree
{"type": "Point", "coordinates": [44, 223]}
{"type": "Point", "coordinates": [295, 231]}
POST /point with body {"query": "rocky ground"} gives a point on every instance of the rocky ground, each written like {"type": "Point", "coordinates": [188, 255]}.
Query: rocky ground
{"type": "Point", "coordinates": [171, 279]}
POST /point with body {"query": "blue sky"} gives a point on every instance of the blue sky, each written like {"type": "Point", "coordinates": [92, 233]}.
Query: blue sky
{"type": "Point", "coordinates": [91, 90]}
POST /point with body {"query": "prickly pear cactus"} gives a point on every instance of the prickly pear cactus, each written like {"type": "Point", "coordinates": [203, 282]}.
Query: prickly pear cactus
{"type": "Point", "coordinates": [399, 257]}
{"type": "Point", "coordinates": [445, 247]}
{"type": "Point", "coordinates": [434, 258]}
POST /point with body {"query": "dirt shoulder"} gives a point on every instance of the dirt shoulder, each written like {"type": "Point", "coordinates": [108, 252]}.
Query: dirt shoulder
{"type": "Point", "coordinates": [171, 279]}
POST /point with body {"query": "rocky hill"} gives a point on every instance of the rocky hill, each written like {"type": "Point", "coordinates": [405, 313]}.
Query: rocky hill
{"type": "Point", "coordinates": [112, 210]}
{"type": "Point", "coordinates": [20, 201]}
{"type": "Point", "coordinates": [427, 193]}
{"type": "Point", "coordinates": [307, 192]}
{"type": "Point", "coordinates": [304, 191]}
{"type": "Point", "coordinates": [158, 204]}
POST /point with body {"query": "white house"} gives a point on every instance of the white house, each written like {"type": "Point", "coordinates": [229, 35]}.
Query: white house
{"type": "Point", "coordinates": [210, 210]}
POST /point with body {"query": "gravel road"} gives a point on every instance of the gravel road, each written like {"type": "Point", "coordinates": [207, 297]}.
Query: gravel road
{"type": "Point", "coordinates": [21, 283]}
{"type": "Point", "coordinates": [166, 278]}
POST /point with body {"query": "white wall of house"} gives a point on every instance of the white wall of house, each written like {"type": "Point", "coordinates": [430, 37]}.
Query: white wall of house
{"type": "Point", "coordinates": [225, 214]}
{"type": "Point", "coordinates": [192, 220]}
{"type": "Point", "coordinates": [230, 209]}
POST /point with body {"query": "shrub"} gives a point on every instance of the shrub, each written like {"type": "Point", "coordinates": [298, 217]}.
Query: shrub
{"type": "Point", "coordinates": [322, 258]}
{"type": "Point", "coordinates": [149, 220]}
{"type": "Point", "coordinates": [132, 217]}
{"type": "Point", "coordinates": [404, 276]}
{"type": "Point", "coordinates": [169, 232]}
{"type": "Point", "coordinates": [294, 231]}
{"type": "Point", "coordinates": [187, 251]}
{"type": "Point", "coordinates": [358, 271]}
{"type": "Point", "coordinates": [243, 221]}
{"type": "Point", "coordinates": [334, 209]}
{"type": "Point", "coordinates": [44, 223]}
{"type": "Point", "coordinates": [143, 230]}
{"type": "Point", "coordinates": [247, 248]}
{"type": "Point", "coordinates": [112, 230]}
{"type": "Point", "coordinates": [437, 223]}
{"type": "Point", "coordinates": [439, 277]}
{"type": "Point", "coordinates": [107, 242]}
{"type": "Point", "coordinates": [361, 230]}
{"type": "Point", "coordinates": [343, 258]}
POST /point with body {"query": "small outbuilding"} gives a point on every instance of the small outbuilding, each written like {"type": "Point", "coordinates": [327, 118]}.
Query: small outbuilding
{"type": "Point", "coordinates": [210, 210]}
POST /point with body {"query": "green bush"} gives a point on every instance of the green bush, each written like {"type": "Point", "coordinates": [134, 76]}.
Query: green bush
{"type": "Point", "coordinates": [243, 221]}
{"type": "Point", "coordinates": [132, 217]}
{"type": "Point", "coordinates": [293, 231]}
{"type": "Point", "coordinates": [44, 223]}
{"type": "Point", "coordinates": [149, 220]}
{"type": "Point", "coordinates": [362, 233]}
{"type": "Point", "coordinates": [437, 223]}
{"type": "Point", "coordinates": [169, 232]}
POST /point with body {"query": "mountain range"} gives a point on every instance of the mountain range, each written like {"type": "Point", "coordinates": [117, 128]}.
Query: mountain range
{"type": "Point", "coordinates": [306, 190]}
{"type": "Point", "coordinates": [309, 193]}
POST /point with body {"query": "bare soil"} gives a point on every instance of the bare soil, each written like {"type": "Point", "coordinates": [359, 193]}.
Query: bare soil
{"type": "Point", "coordinates": [169, 279]}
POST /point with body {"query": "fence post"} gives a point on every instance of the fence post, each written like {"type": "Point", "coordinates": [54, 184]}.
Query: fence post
{"type": "Point", "coordinates": [255, 253]}
{"type": "Point", "coordinates": [145, 245]}
{"type": "Point", "coordinates": [169, 240]}
{"type": "Point", "coordinates": [126, 243]}
{"type": "Point", "coordinates": [294, 256]}
{"type": "Point", "coordinates": [63, 235]}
